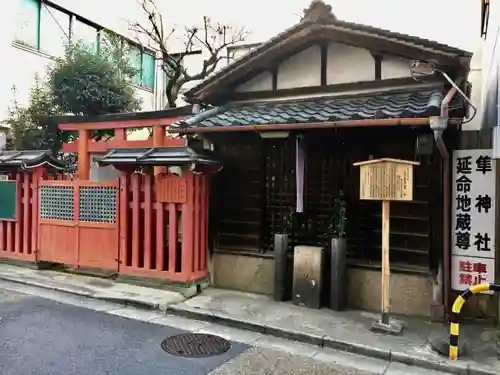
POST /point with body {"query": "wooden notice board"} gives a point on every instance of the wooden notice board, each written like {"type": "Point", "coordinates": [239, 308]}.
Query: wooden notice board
{"type": "Point", "coordinates": [8, 200]}
{"type": "Point", "coordinates": [386, 179]}
{"type": "Point", "coordinates": [171, 189]}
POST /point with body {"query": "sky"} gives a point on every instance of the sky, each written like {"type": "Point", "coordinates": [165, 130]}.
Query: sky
{"type": "Point", "coordinates": [454, 22]}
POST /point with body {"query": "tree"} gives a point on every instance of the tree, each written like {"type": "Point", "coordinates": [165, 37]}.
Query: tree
{"type": "Point", "coordinates": [82, 82]}
{"type": "Point", "coordinates": [32, 126]}
{"type": "Point", "coordinates": [86, 83]}
{"type": "Point", "coordinates": [211, 38]}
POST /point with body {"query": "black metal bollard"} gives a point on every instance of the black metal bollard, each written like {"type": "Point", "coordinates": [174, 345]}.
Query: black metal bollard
{"type": "Point", "coordinates": [280, 266]}
{"type": "Point", "coordinates": [338, 274]}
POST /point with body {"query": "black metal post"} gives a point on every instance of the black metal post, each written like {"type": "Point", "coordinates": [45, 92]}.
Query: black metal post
{"type": "Point", "coordinates": [280, 257]}
{"type": "Point", "coordinates": [338, 274]}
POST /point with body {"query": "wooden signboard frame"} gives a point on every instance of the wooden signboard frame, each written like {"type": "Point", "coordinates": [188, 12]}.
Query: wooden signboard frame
{"type": "Point", "coordinates": [9, 200]}
{"type": "Point", "coordinates": [386, 180]}
{"type": "Point", "coordinates": [171, 189]}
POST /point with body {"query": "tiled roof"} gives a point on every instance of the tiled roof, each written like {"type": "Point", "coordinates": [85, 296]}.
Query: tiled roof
{"type": "Point", "coordinates": [29, 159]}
{"type": "Point", "coordinates": [413, 104]}
{"type": "Point", "coordinates": [128, 116]}
{"type": "Point", "coordinates": [156, 156]}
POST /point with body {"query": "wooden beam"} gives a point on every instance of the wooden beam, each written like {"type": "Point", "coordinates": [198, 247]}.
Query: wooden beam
{"type": "Point", "coordinates": [158, 138]}
{"type": "Point", "coordinates": [315, 90]}
{"type": "Point", "coordinates": [275, 73]}
{"type": "Point", "coordinates": [104, 146]}
{"type": "Point", "coordinates": [120, 135]}
{"type": "Point", "coordinates": [301, 39]}
{"type": "Point", "coordinates": [377, 58]}
{"type": "Point", "coordinates": [324, 63]}
{"type": "Point", "coordinates": [123, 124]}
{"type": "Point", "coordinates": [83, 155]}
{"type": "Point", "coordinates": [305, 126]}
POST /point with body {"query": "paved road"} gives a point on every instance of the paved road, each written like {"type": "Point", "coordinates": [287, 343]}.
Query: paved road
{"type": "Point", "coordinates": [40, 336]}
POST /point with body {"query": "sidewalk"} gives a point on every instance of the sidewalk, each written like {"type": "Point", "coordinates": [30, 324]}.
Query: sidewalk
{"type": "Point", "coordinates": [349, 331]}
{"type": "Point", "coordinates": [92, 287]}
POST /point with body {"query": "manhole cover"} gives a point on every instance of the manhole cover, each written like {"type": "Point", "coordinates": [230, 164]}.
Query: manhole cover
{"type": "Point", "coordinates": [195, 345]}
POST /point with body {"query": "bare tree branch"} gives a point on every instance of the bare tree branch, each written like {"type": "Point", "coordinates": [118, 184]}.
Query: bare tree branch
{"type": "Point", "coordinates": [212, 39]}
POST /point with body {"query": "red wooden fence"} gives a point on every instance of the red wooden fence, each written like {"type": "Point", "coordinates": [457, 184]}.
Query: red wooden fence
{"type": "Point", "coordinates": [18, 236]}
{"type": "Point", "coordinates": [152, 233]}
{"type": "Point", "coordinates": [57, 231]}
{"type": "Point", "coordinates": [163, 239]}
{"type": "Point", "coordinates": [98, 234]}
{"type": "Point", "coordinates": [78, 223]}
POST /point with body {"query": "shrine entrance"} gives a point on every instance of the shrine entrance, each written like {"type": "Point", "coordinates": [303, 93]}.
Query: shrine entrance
{"type": "Point", "coordinates": [151, 221]}
{"type": "Point", "coordinates": [78, 223]}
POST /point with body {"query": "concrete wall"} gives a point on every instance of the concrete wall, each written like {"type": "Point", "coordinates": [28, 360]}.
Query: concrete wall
{"type": "Point", "coordinates": [100, 173]}
{"type": "Point", "coordinates": [411, 294]}
{"type": "Point", "coordinates": [477, 80]}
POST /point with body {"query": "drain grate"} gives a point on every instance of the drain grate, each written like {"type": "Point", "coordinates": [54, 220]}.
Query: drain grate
{"type": "Point", "coordinates": [195, 345]}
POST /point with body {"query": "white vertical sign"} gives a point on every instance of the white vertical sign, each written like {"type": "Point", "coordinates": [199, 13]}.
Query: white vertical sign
{"type": "Point", "coordinates": [473, 218]}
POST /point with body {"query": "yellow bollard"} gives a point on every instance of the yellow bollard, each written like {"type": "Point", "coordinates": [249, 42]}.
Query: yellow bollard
{"type": "Point", "coordinates": [455, 313]}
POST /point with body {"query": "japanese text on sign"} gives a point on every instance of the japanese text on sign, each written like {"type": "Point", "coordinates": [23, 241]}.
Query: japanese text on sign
{"type": "Point", "coordinates": [469, 271]}
{"type": "Point", "coordinates": [473, 224]}
{"type": "Point", "coordinates": [474, 214]}
{"type": "Point", "coordinates": [386, 179]}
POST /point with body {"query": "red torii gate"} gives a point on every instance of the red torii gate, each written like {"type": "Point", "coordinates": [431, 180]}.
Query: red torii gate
{"type": "Point", "coordinates": [160, 221]}
{"type": "Point", "coordinates": [84, 145]}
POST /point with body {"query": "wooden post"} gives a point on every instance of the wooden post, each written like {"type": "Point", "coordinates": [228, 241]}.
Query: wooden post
{"type": "Point", "coordinates": [386, 268]}
{"type": "Point", "coordinates": [158, 140]}
{"type": "Point", "coordinates": [386, 180]}
{"type": "Point", "coordinates": [83, 155]}
{"type": "Point", "coordinates": [120, 135]}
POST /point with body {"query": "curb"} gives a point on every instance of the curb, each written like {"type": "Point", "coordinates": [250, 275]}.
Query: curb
{"type": "Point", "coordinates": [458, 368]}
{"type": "Point", "coordinates": [121, 300]}
{"type": "Point", "coordinates": [442, 365]}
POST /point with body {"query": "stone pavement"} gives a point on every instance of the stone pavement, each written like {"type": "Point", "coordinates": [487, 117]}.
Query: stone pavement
{"type": "Point", "coordinates": [92, 287]}
{"type": "Point", "coordinates": [264, 361]}
{"type": "Point", "coordinates": [325, 329]}
{"type": "Point", "coordinates": [349, 331]}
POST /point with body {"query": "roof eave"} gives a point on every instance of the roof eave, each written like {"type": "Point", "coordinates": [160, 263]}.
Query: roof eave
{"type": "Point", "coordinates": [17, 162]}
{"type": "Point", "coordinates": [127, 116]}
{"type": "Point", "coordinates": [156, 156]}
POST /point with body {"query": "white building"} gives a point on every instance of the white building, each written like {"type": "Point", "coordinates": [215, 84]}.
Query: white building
{"type": "Point", "coordinates": [37, 33]}
{"type": "Point", "coordinates": [490, 30]}
{"type": "Point", "coordinates": [34, 31]}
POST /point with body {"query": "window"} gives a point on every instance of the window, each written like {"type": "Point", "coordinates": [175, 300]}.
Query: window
{"type": "Point", "coordinates": [42, 27]}
{"type": "Point", "coordinates": [28, 21]}
{"type": "Point", "coordinates": [134, 55]}
{"type": "Point", "coordinates": [54, 30]}
{"type": "Point", "coordinates": [83, 32]}
{"type": "Point", "coordinates": [109, 43]}
{"type": "Point", "coordinates": [148, 70]}
{"type": "Point", "coordinates": [144, 63]}
{"type": "Point", "coordinates": [48, 29]}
